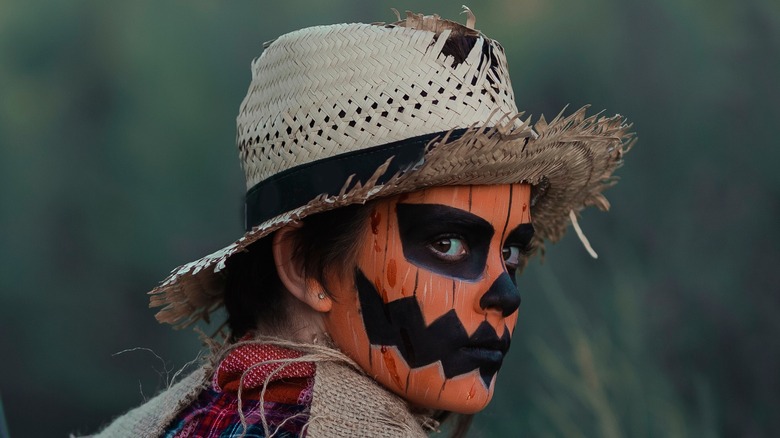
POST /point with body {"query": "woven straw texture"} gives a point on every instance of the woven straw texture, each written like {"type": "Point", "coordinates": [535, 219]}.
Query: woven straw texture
{"type": "Point", "coordinates": [330, 90]}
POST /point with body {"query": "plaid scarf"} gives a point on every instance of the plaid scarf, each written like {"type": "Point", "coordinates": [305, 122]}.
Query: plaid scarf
{"type": "Point", "coordinates": [286, 400]}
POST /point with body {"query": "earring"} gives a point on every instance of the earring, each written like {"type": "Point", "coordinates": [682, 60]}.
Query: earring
{"type": "Point", "coordinates": [321, 295]}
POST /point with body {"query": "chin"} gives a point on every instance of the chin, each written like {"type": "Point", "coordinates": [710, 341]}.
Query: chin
{"type": "Point", "coordinates": [427, 388]}
{"type": "Point", "coordinates": [471, 406]}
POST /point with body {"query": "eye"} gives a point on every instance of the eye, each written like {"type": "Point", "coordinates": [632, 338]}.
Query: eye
{"type": "Point", "coordinates": [451, 249]}
{"type": "Point", "coordinates": [511, 256]}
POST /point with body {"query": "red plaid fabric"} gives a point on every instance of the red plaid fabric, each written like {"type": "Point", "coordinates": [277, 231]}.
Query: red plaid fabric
{"type": "Point", "coordinates": [286, 400]}
{"type": "Point", "coordinates": [288, 381]}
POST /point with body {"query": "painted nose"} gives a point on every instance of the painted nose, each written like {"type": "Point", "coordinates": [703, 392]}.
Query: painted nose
{"type": "Point", "coordinates": [502, 295]}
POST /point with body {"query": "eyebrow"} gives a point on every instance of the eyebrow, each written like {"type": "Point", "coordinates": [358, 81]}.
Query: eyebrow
{"type": "Point", "coordinates": [521, 235]}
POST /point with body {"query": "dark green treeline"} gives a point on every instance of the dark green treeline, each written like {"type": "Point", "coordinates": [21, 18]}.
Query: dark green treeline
{"type": "Point", "coordinates": [117, 164]}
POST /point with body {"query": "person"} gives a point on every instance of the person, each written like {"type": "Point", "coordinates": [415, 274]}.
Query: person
{"type": "Point", "coordinates": [394, 192]}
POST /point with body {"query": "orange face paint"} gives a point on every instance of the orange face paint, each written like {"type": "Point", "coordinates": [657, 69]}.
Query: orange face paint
{"type": "Point", "coordinates": [436, 301]}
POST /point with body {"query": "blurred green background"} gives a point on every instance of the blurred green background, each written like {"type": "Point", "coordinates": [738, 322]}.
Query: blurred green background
{"type": "Point", "coordinates": [117, 164]}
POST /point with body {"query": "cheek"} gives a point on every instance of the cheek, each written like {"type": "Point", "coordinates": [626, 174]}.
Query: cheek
{"type": "Point", "coordinates": [509, 324]}
{"type": "Point", "coordinates": [436, 294]}
{"type": "Point", "coordinates": [382, 261]}
{"type": "Point", "coordinates": [344, 323]}
{"type": "Point", "coordinates": [381, 257]}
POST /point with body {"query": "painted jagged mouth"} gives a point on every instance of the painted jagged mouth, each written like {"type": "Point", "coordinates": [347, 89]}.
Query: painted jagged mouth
{"type": "Point", "coordinates": [486, 345]}
{"type": "Point", "coordinates": [486, 338]}
{"type": "Point", "coordinates": [400, 323]}
{"type": "Point", "coordinates": [496, 344]}
{"type": "Point", "coordinates": [484, 354]}
{"type": "Point", "coordinates": [492, 349]}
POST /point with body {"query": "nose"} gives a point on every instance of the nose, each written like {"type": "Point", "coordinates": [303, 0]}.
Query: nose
{"type": "Point", "coordinates": [502, 295]}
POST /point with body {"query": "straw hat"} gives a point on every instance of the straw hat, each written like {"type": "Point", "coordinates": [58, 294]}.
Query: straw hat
{"type": "Point", "coordinates": [342, 114]}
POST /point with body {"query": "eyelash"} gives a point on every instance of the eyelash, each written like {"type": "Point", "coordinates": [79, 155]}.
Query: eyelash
{"type": "Point", "coordinates": [522, 252]}
{"type": "Point", "coordinates": [443, 254]}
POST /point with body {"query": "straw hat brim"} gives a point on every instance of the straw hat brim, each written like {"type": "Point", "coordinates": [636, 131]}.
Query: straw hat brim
{"type": "Point", "coordinates": [570, 161]}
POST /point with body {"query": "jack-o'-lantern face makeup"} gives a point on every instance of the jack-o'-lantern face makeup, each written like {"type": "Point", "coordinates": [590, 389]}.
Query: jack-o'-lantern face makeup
{"type": "Point", "coordinates": [433, 302]}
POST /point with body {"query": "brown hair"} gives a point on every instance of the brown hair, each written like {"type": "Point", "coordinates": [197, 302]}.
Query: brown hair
{"type": "Point", "coordinates": [253, 290]}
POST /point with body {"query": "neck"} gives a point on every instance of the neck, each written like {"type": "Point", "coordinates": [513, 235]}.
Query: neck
{"type": "Point", "coordinates": [302, 324]}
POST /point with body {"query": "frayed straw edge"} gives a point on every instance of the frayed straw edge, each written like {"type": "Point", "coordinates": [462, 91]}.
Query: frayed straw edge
{"type": "Point", "coordinates": [581, 235]}
{"type": "Point", "coordinates": [177, 300]}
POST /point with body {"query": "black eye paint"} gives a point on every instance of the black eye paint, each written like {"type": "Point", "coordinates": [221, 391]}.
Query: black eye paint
{"type": "Point", "coordinates": [400, 323]}
{"type": "Point", "coordinates": [521, 238]}
{"type": "Point", "coordinates": [420, 225]}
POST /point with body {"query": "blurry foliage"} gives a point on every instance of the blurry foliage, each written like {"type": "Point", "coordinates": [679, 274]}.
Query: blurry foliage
{"type": "Point", "coordinates": [117, 164]}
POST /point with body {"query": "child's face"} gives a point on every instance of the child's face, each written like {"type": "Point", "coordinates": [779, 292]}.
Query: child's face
{"type": "Point", "coordinates": [430, 309]}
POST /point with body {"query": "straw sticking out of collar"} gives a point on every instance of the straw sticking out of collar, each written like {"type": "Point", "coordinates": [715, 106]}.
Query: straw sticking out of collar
{"type": "Point", "coordinates": [581, 235]}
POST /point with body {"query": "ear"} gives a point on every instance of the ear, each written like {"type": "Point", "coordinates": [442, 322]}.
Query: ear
{"type": "Point", "coordinates": [292, 273]}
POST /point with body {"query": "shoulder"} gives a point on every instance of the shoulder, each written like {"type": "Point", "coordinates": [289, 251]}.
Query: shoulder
{"type": "Point", "coordinates": [152, 417]}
